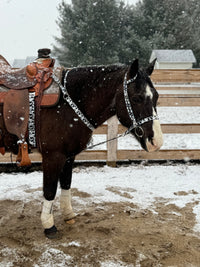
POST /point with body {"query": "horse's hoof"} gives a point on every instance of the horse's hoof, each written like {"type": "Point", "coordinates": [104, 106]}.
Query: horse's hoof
{"type": "Point", "coordinates": [52, 233]}
{"type": "Point", "coordinates": [71, 221]}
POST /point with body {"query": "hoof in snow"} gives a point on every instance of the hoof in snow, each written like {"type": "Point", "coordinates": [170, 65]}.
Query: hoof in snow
{"type": "Point", "coordinates": [52, 233]}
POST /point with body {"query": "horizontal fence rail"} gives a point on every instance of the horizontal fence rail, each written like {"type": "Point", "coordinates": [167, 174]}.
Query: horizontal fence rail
{"type": "Point", "coordinates": [176, 76]}
{"type": "Point", "coordinates": [177, 88]}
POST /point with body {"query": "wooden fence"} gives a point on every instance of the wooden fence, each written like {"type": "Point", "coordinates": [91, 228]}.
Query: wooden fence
{"type": "Point", "coordinates": [176, 88]}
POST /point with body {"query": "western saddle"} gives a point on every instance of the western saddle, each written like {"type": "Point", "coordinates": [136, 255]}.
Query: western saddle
{"type": "Point", "coordinates": [35, 77]}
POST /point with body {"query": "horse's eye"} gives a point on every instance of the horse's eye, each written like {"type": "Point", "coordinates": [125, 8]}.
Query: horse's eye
{"type": "Point", "coordinates": [138, 99]}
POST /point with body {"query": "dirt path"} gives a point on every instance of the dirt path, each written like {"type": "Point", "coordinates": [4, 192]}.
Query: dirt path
{"type": "Point", "coordinates": [110, 234]}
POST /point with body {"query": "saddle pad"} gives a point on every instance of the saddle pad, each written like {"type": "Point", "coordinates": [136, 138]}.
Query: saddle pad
{"type": "Point", "coordinates": [51, 95]}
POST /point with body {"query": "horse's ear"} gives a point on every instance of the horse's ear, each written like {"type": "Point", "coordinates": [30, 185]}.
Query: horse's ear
{"type": "Point", "coordinates": [133, 70]}
{"type": "Point", "coordinates": [150, 68]}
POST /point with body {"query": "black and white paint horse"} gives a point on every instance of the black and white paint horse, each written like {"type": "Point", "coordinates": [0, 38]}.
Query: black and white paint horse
{"type": "Point", "coordinates": [90, 96]}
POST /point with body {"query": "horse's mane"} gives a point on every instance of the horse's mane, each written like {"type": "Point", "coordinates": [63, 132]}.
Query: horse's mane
{"type": "Point", "coordinates": [105, 68]}
{"type": "Point", "coordinates": [90, 76]}
{"type": "Point", "coordinates": [97, 69]}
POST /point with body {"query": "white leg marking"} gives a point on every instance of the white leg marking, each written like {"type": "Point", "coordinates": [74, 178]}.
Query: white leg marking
{"type": "Point", "coordinates": [65, 204]}
{"type": "Point", "coordinates": [47, 214]}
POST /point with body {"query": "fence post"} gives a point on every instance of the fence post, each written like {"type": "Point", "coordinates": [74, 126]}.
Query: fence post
{"type": "Point", "coordinates": [112, 145]}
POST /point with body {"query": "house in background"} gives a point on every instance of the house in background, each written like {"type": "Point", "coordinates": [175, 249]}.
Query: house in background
{"type": "Point", "coordinates": [21, 63]}
{"type": "Point", "coordinates": [173, 59]}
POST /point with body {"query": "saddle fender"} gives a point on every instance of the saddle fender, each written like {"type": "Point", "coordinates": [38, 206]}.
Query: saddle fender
{"type": "Point", "coordinates": [16, 112]}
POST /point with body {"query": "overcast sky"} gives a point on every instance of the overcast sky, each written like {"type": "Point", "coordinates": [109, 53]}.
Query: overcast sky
{"type": "Point", "coordinates": [27, 25]}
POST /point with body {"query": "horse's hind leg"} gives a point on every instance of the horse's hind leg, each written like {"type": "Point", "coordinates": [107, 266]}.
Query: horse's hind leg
{"type": "Point", "coordinates": [65, 198]}
{"type": "Point", "coordinates": [52, 166]}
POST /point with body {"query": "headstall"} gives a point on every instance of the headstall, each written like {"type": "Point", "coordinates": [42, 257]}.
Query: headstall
{"type": "Point", "coordinates": [135, 124]}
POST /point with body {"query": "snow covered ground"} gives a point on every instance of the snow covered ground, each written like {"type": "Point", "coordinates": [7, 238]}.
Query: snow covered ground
{"type": "Point", "coordinates": [140, 184]}
{"type": "Point", "coordinates": [148, 182]}
{"type": "Point", "coordinates": [143, 183]}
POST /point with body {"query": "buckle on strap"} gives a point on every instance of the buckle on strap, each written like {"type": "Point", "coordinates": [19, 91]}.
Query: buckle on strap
{"type": "Point", "coordinates": [137, 128]}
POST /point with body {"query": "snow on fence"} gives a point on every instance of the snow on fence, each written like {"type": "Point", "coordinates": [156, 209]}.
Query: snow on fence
{"type": "Point", "coordinates": [179, 112]}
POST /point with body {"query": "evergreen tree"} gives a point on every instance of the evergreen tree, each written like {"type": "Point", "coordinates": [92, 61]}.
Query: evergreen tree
{"type": "Point", "coordinates": [89, 32]}
{"type": "Point", "coordinates": [107, 31]}
{"type": "Point", "coordinates": [172, 24]}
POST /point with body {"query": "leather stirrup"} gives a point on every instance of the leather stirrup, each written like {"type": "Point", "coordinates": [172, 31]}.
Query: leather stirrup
{"type": "Point", "coordinates": [23, 157]}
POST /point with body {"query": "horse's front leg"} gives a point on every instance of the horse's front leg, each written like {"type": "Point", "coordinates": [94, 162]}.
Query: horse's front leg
{"type": "Point", "coordinates": [52, 165]}
{"type": "Point", "coordinates": [65, 198]}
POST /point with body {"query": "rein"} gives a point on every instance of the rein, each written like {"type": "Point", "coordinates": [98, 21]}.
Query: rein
{"type": "Point", "coordinates": [139, 132]}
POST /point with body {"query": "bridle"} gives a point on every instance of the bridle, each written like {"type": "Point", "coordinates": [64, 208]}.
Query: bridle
{"type": "Point", "coordinates": [139, 132]}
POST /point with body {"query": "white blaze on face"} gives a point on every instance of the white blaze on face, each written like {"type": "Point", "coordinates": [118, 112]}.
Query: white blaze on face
{"type": "Point", "coordinates": [157, 140]}
{"type": "Point", "coordinates": [148, 92]}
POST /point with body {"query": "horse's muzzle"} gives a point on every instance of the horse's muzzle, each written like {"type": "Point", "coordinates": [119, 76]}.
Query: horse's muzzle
{"type": "Point", "coordinates": [153, 145]}
{"type": "Point", "coordinates": [156, 142]}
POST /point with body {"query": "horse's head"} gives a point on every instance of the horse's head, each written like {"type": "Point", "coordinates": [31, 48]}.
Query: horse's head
{"type": "Point", "coordinates": [136, 107]}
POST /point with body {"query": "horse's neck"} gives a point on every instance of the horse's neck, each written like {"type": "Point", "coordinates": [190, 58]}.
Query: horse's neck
{"type": "Point", "coordinates": [100, 100]}
{"type": "Point", "coordinates": [104, 110]}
